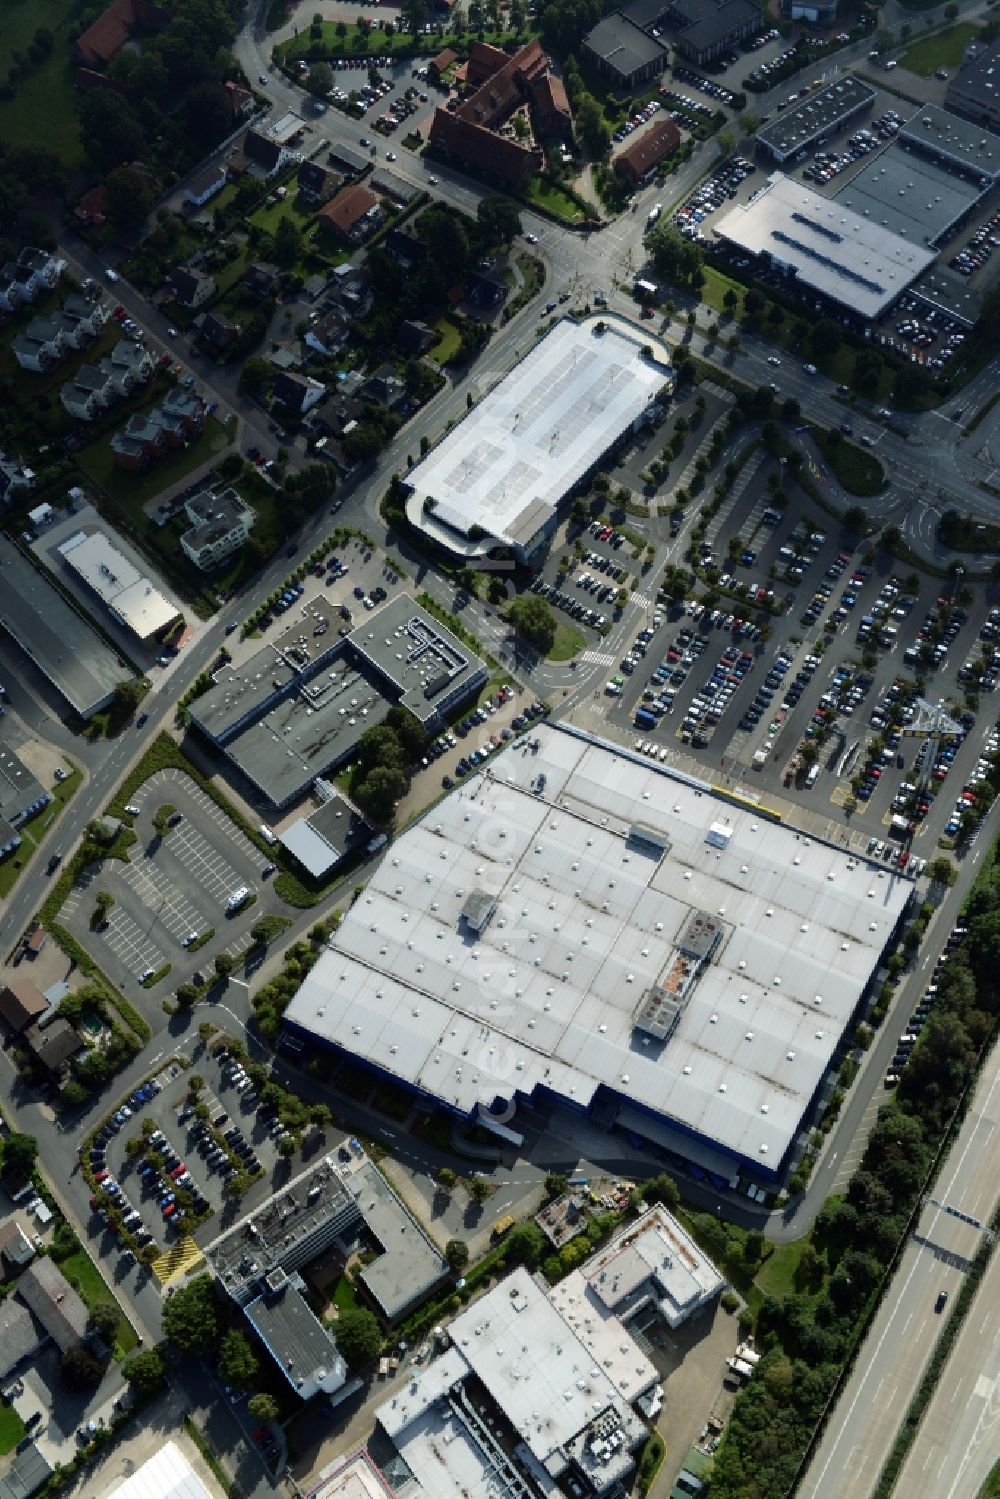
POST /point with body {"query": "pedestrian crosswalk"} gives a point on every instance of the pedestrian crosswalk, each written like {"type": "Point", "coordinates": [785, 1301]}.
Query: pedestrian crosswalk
{"type": "Point", "coordinates": [179, 1260]}
{"type": "Point", "coordinates": [597, 658]}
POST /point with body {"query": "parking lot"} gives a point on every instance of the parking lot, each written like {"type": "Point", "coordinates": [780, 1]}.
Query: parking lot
{"type": "Point", "coordinates": [175, 888]}
{"type": "Point", "coordinates": [817, 701]}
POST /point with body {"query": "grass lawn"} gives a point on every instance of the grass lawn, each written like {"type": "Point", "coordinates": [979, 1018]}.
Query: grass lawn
{"type": "Point", "coordinates": [546, 195]}
{"type": "Point", "coordinates": [943, 50]}
{"type": "Point", "coordinates": [345, 1297]}
{"type": "Point", "coordinates": [376, 43]}
{"type": "Point", "coordinates": [11, 1428]}
{"type": "Point", "coordinates": [776, 1277]}
{"type": "Point", "coordinates": [859, 472]}
{"type": "Point", "coordinates": [567, 644]}
{"type": "Point", "coordinates": [133, 490]}
{"type": "Point", "coordinates": [80, 1270]}
{"type": "Point", "coordinates": [32, 832]}
{"type": "Point", "coordinates": [42, 110]}
{"type": "Point", "coordinates": [447, 345]}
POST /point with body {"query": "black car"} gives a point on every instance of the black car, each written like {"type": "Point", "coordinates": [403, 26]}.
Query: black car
{"type": "Point", "coordinates": [942, 1301]}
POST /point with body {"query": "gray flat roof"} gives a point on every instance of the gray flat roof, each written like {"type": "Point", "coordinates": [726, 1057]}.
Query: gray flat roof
{"type": "Point", "coordinates": [587, 922]}
{"type": "Point", "coordinates": [19, 790]}
{"type": "Point", "coordinates": [308, 732]}
{"type": "Point", "coordinates": [818, 111]}
{"type": "Point", "coordinates": [320, 840]}
{"type": "Point", "coordinates": [240, 688]}
{"type": "Point", "coordinates": [840, 254]}
{"type": "Point", "coordinates": [976, 85]}
{"type": "Point", "coordinates": [916, 196]}
{"type": "Point", "coordinates": [58, 639]}
{"type": "Point", "coordinates": [295, 1338]}
{"type": "Point", "coordinates": [421, 660]}
{"type": "Point", "coordinates": [958, 140]}
{"type": "Point", "coordinates": [411, 1266]}
{"type": "Point", "coordinates": [621, 42]}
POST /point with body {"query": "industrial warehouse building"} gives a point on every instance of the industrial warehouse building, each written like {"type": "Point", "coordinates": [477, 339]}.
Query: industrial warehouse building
{"type": "Point", "coordinates": [297, 708]}
{"type": "Point", "coordinates": [579, 928]}
{"type": "Point", "coordinates": [499, 477]}
{"type": "Point", "coordinates": [64, 647]}
{"type": "Point", "coordinates": [975, 89]}
{"type": "Point", "coordinates": [839, 255]}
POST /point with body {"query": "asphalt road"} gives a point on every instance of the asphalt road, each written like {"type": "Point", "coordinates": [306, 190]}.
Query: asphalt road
{"type": "Point", "coordinates": [906, 1328]}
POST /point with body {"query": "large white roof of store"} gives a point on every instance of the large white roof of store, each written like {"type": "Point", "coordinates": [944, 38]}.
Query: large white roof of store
{"type": "Point", "coordinates": [166, 1475]}
{"type": "Point", "coordinates": [585, 928]}
{"type": "Point", "coordinates": [841, 254]}
{"type": "Point", "coordinates": [526, 444]}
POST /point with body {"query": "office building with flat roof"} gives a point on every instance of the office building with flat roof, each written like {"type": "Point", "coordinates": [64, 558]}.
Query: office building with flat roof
{"type": "Point", "coordinates": [624, 51]}
{"type": "Point", "coordinates": [497, 479]}
{"type": "Point", "coordinates": [576, 927]}
{"type": "Point", "coordinates": [60, 642]}
{"type": "Point", "coordinates": [129, 597]}
{"type": "Point", "coordinates": [322, 839]}
{"type": "Point", "coordinates": [21, 797]}
{"type": "Point", "coordinates": [914, 194]}
{"type": "Point", "coordinates": [819, 114]}
{"type": "Point", "coordinates": [165, 1475]}
{"type": "Point", "coordinates": [296, 709]}
{"type": "Point", "coordinates": [521, 1404]}
{"type": "Point", "coordinates": [353, 1477]}
{"type": "Point", "coordinates": [840, 255]}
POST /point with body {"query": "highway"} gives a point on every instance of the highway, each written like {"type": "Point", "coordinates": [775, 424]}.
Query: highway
{"type": "Point", "coordinates": [901, 1340]}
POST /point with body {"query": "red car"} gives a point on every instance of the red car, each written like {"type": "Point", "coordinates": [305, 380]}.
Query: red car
{"type": "Point", "coordinates": [178, 1171]}
{"type": "Point", "coordinates": [101, 1176]}
{"type": "Point", "coordinates": [168, 1210]}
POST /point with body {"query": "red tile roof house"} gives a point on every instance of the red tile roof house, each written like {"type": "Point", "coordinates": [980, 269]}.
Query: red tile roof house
{"type": "Point", "coordinates": [644, 155]}
{"type": "Point", "coordinates": [352, 215]}
{"type": "Point", "coordinates": [115, 26]}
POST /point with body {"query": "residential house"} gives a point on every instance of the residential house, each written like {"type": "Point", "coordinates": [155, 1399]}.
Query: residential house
{"type": "Point", "coordinates": [53, 1046]}
{"type": "Point", "coordinates": [218, 330]}
{"type": "Point", "coordinates": [438, 66]}
{"type": "Point", "coordinates": [46, 270]}
{"type": "Point", "coordinates": [16, 1250]}
{"type": "Point", "coordinates": [220, 525]}
{"type": "Point", "coordinates": [205, 184]}
{"type": "Point", "coordinates": [187, 407]}
{"type": "Point", "coordinates": [92, 315]}
{"type": "Point", "coordinates": [552, 113]}
{"type": "Point", "coordinates": [132, 357]}
{"type": "Point", "coordinates": [641, 159]}
{"type": "Point", "coordinates": [22, 1003]}
{"type": "Point", "coordinates": [350, 289]}
{"type": "Point", "coordinates": [405, 247]}
{"type": "Point", "coordinates": [297, 393]}
{"type": "Point", "coordinates": [415, 337]}
{"type": "Point", "coordinates": [139, 441]}
{"type": "Point", "coordinates": [316, 183]}
{"type": "Point", "coordinates": [240, 99]}
{"type": "Point", "coordinates": [114, 27]}
{"type": "Point", "coordinates": [14, 475]}
{"type": "Point", "coordinates": [264, 153]}
{"type": "Point", "coordinates": [93, 389]}
{"type": "Point", "coordinates": [384, 387]}
{"type": "Point", "coordinates": [486, 290]}
{"type": "Point", "coordinates": [43, 343]}
{"type": "Point", "coordinates": [19, 1337]}
{"type": "Point", "coordinates": [329, 334]}
{"type": "Point", "coordinates": [190, 287]}
{"type": "Point", "coordinates": [75, 331]}
{"type": "Point", "coordinates": [48, 1294]}
{"type": "Point", "coordinates": [92, 207]}
{"type": "Point", "coordinates": [352, 215]}
{"type": "Point", "coordinates": [263, 278]}
{"type": "Point", "coordinates": [336, 416]}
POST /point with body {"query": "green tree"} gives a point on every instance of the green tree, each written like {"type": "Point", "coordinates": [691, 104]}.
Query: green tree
{"type": "Point", "coordinates": [190, 1320]}
{"type": "Point", "coordinates": [479, 1189]}
{"type": "Point", "coordinates": [104, 1320]}
{"type": "Point", "coordinates": [130, 197]}
{"type": "Point", "coordinates": [263, 1408]}
{"type": "Point", "coordinates": [725, 142]}
{"type": "Point", "coordinates": [556, 1183]}
{"type": "Point", "coordinates": [319, 80]}
{"type": "Point", "coordinates": [238, 1364]}
{"type": "Point", "coordinates": [825, 338]}
{"type": "Point", "coordinates": [500, 218]}
{"type": "Point", "coordinates": [525, 1245]}
{"type": "Point", "coordinates": [287, 241]}
{"type": "Point", "coordinates": [446, 1178]}
{"type": "Point", "coordinates": [80, 1369]}
{"type": "Point", "coordinates": [379, 791]}
{"type": "Point", "coordinates": [224, 964]}
{"type": "Point", "coordinates": [534, 620]}
{"type": "Point", "coordinates": [413, 16]}
{"type": "Point", "coordinates": [358, 1337]}
{"type": "Point", "coordinates": [456, 1252]}
{"type": "Point", "coordinates": [942, 870]}
{"type": "Point", "coordinates": [146, 1371]}
{"type": "Point", "coordinates": [19, 1152]}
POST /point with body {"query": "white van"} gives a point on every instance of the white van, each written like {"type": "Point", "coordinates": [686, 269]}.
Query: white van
{"type": "Point", "coordinates": [267, 835]}
{"type": "Point", "coordinates": [238, 898]}
{"type": "Point", "coordinates": [813, 775]}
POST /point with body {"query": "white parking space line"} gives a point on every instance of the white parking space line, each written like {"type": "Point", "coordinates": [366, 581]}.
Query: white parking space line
{"type": "Point", "coordinates": [130, 945]}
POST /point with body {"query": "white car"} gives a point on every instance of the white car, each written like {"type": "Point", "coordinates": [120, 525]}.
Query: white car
{"type": "Point", "coordinates": [432, 181]}
{"type": "Point", "coordinates": [390, 156]}
{"type": "Point", "coordinates": [532, 239]}
{"type": "Point", "coordinates": [171, 332]}
{"type": "Point", "coordinates": [773, 359]}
